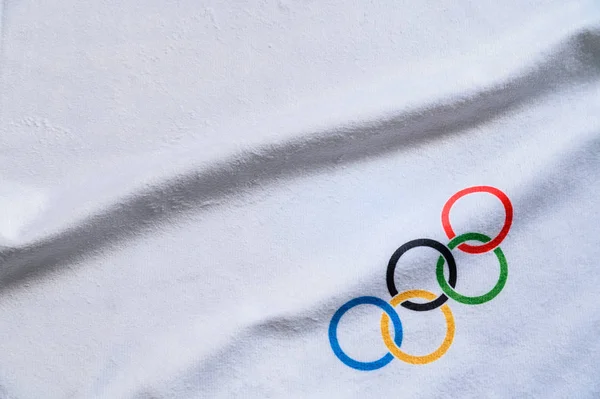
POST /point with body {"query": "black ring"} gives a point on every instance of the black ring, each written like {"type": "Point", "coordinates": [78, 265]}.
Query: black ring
{"type": "Point", "coordinates": [421, 242]}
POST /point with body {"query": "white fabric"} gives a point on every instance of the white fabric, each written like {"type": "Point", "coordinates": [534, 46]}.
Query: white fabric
{"type": "Point", "coordinates": [190, 190]}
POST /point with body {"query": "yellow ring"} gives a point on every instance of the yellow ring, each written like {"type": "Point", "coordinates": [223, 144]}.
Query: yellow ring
{"type": "Point", "coordinates": [405, 357]}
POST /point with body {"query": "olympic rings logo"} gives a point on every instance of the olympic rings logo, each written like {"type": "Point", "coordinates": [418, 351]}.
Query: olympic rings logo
{"type": "Point", "coordinates": [404, 299]}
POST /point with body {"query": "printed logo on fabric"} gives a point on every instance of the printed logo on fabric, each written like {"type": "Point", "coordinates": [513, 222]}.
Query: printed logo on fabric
{"type": "Point", "coordinates": [447, 286]}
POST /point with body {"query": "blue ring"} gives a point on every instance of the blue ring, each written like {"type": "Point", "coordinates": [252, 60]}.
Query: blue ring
{"type": "Point", "coordinates": [335, 345]}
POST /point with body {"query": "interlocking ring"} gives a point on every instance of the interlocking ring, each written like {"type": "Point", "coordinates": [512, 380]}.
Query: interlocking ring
{"type": "Point", "coordinates": [364, 300]}
{"type": "Point", "coordinates": [395, 349]}
{"type": "Point", "coordinates": [434, 302]}
{"type": "Point", "coordinates": [421, 242]}
{"type": "Point", "coordinates": [448, 288]}
{"type": "Point", "coordinates": [503, 232]}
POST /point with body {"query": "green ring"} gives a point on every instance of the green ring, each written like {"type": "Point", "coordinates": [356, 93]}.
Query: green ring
{"type": "Point", "coordinates": [472, 300]}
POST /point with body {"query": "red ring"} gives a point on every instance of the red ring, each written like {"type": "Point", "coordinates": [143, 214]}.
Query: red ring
{"type": "Point", "coordinates": [478, 249]}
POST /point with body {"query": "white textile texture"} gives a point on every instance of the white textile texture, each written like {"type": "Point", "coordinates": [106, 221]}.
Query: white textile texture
{"type": "Point", "coordinates": [265, 199]}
